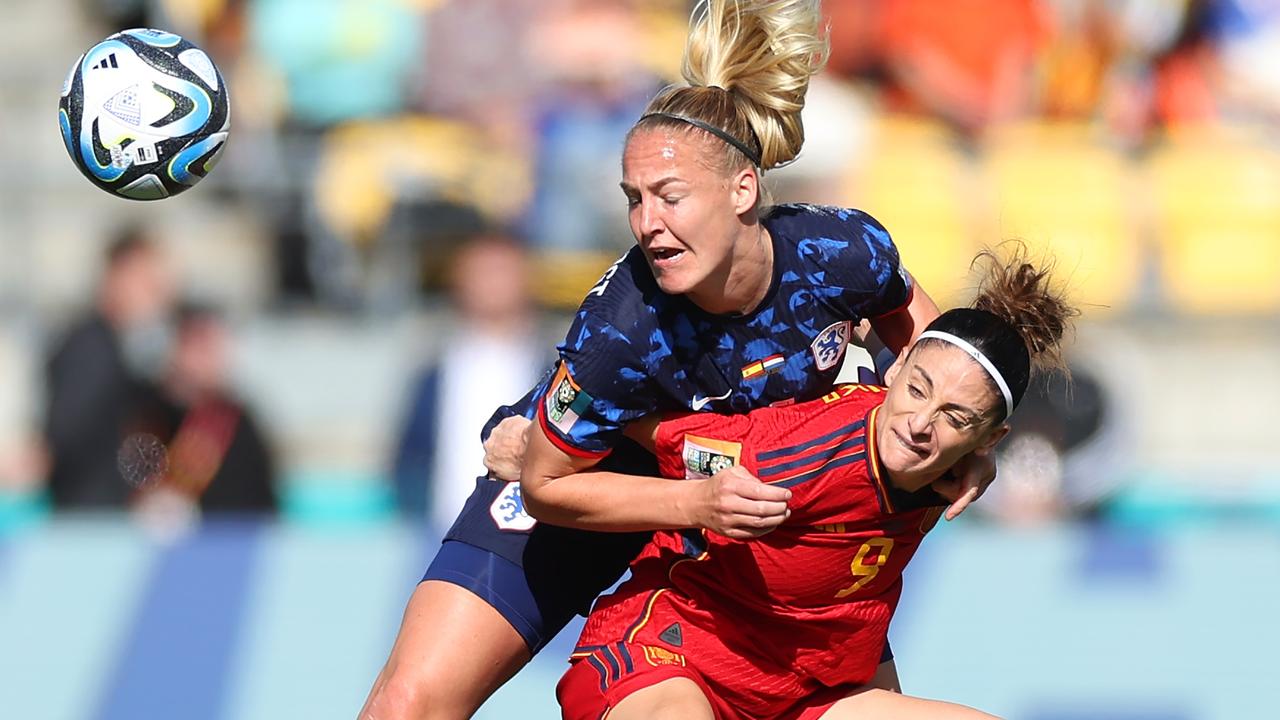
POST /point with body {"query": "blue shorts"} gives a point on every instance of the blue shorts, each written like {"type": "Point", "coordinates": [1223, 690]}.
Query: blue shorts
{"type": "Point", "coordinates": [497, 581]}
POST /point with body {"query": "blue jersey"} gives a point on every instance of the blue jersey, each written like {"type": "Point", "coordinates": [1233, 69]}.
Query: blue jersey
{"type": "Point", "coordinates": [633, 350]}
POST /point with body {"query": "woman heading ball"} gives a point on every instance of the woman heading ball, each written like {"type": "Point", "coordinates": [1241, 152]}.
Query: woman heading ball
{"type": "Point", "coordinates": [724, 304]}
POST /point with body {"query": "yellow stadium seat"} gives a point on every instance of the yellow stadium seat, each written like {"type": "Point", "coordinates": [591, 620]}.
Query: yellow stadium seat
{"type": "Point", "coordinates": [562, 279]}
{"type": "Point", "coordinates": [916, 184]}
{"type": "Point", "coordinates": [1215, 197]}
{"type": "Point", "coordinates": [1061, 192]}
{"type": "Point", "coordinates": [364, 167]}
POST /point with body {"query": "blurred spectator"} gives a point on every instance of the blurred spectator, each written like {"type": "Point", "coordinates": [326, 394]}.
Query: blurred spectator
{"type": "Point", "coordinates": [93, 376]}
{"type": "Point", "coordinates": [116, 15]}
{"type": "Point", "coordinates": [339, 60]}
{"type": "Point", "coordinates": [1187, 76]}
{"type": "Point", "coordinates": [1222, 65]}
{"type": "Point", "coordinates": [490, 357]}
{"type": "Point", "coordinates": [218, 459]}
{"type": "Point", "coordinates": [969, 62]}
{"type": "Point", "coordinates": [475, 66]}
{"type": "Point", "coordinates": [596, 86]}
{"type": "Point", "coordinates": [1248, 38]}
{"type": "Point", "coordinates": [1062, 458]}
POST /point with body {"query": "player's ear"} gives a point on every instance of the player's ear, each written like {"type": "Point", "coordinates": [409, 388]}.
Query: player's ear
{"type": "Point", "coordinates": [745, 186]}
{"type": "Point", "coordinates": [994, 436]}
{"type": "Point", "coordinates": [896, 367]}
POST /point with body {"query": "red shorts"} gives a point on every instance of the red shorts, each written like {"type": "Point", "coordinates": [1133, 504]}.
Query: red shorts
{"type": "Point", "coordinates": [596, 683]}
{"type": "Point", "coordinates": [632, 642]}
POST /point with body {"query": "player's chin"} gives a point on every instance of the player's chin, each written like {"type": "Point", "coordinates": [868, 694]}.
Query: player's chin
{"type": "Point", "coordinates": [674, 282]}
{"type": "Point", "coordinates": [905, 463]}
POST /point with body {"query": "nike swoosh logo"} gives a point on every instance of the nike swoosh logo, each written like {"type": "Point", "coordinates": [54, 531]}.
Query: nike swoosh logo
{"type": "Point", "coordinates": [700, 402]}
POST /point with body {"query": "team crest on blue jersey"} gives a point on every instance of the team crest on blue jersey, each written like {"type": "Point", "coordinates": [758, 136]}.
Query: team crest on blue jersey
{"type": "Point", "coordinates": [828, 347]}
{"type": "Point", "coordinates": [704, 457]}
{"type": "Point", "coordinates": [507, 510]}
{"type": "Point", "coordinates": [565, 402]}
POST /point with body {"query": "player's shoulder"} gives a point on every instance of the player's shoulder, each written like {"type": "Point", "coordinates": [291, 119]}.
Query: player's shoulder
{"type": "Point", "coordinates": [797, 222]}
{"type": "Point", "coordinates": [841, 249]}
{"type": "Point", "coordinates": [839, 245]}
{"type": "Point", "coordinates": [853, 397]}
{"type": "Point", "coordinates": [621, 309]}
{"type": "Point", "coordinates": [625, 294]}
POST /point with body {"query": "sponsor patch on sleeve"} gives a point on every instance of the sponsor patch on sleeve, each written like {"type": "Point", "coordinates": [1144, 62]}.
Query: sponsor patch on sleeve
{"type": "Point", "coordinates": [704, 457]}
{"type": "Point", "coordinates": [565, 401]}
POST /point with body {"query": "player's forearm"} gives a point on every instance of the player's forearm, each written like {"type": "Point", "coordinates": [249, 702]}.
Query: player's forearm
{"type": "Point", "coordinates": [611, 502]}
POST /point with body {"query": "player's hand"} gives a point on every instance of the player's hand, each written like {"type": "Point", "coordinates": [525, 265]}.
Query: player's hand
{"type": "Point", "coordinates": [734, 503]}
{"type": "Point", "coordinates": [505, 446]}
{"type": "Point", "coordinates": [967, 480]}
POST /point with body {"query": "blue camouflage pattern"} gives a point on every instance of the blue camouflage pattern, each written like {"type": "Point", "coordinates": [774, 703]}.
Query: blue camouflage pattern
{"type": "Point", "coordinates": [636, 351]}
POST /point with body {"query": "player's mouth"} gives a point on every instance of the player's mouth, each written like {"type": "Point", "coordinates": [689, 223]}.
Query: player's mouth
{"type": "Point", "coordinates": [665, 258]}
{"type": "Point", "coordinates": [918, 450]}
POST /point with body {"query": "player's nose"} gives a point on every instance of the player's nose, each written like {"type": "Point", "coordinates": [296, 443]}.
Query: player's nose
{"type": "Point", "coordinates": [918, 423]}
{"type": "Point", "coordinates": [650, 218]}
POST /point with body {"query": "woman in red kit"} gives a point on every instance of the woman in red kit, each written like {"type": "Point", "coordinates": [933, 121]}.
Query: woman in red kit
{"type": "Point", "coordinates": [792, 624]}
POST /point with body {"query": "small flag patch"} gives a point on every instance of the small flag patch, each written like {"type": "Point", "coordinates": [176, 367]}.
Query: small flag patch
{"type": "Point", "coordinates": [767, 366]}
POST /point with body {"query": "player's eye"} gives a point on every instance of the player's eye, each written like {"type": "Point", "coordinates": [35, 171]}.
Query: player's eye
{"type": "Point", "coordinates": [671, 199]}
{"type": "Point", "coordinates": [915, 392]}
{"type": "Point", "coordinates": [956, 421]}
{"type": "Point", "coordinates": [632, 201]}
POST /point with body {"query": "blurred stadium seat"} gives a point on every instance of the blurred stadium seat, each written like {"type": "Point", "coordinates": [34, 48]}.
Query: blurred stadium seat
{"type": "Point", "coordinates": [1056, 187]}
{"type": "Point", "coordinates": [366, 166]}
{"type": "Point", "coordinates": [919, 186]}
{"type": "Point", "coordinates": [562, 279]}
{"type": "Point", "coordinates": [1216, 202]}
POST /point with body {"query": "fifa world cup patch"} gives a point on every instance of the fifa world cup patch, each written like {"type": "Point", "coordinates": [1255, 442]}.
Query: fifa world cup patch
{"type": "Point", "coordinates": [828, 347]}
{"type": "Point", "coordinates": [565, 401]}
{"type": "Point", "coordinates": [657, 656]}
{"type": "Point", "coordinates": [704, 457]}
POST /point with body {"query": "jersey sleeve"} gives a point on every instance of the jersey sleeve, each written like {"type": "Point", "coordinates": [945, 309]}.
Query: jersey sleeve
{"type": "Point", "coordinates": [872, 270]}
{"type": "Point", "coordinates": [601, 383]}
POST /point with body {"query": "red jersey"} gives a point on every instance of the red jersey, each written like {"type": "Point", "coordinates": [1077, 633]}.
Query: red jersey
{"type": "Point", "coordinates": [772, 621]}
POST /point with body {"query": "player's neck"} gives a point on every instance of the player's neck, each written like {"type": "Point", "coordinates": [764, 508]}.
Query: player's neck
{"type": "Point", "coordinates": [747, 280]}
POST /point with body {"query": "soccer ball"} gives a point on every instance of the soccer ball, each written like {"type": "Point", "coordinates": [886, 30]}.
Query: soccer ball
{"type": "Point", "coordinates": [144, 114]}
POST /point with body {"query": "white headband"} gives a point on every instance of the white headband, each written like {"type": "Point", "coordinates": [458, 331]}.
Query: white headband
{"type": "Point", "coordinates": [982, 360]}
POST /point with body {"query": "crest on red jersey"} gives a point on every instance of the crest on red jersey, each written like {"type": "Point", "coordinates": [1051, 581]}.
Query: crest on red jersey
{"type": "Point", "coordinates": [704, 457]}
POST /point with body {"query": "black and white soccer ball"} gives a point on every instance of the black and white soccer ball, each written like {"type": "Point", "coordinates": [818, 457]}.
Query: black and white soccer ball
{"type": "Point", "coordinates": [144, 114]}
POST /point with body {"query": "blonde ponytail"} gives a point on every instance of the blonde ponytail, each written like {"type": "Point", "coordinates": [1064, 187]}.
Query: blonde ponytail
{"type": "Point", "coordinates": [748, 64]}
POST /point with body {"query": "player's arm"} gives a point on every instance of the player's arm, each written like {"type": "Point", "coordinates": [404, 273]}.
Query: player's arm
{"type": "Point", "coordinates": [899, 328]}
{"type": "Point", "coordinates": [562, 489]}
